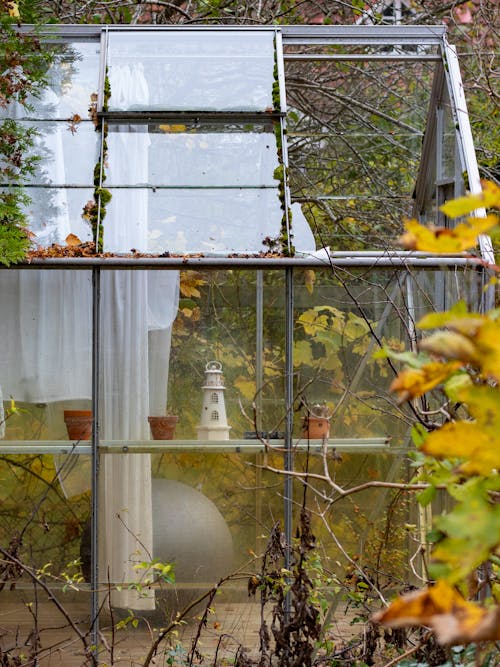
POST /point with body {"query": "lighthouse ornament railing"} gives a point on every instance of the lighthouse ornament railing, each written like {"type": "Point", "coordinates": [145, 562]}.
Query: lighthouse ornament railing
{"type": "Point", "coordinates": [213, 422]}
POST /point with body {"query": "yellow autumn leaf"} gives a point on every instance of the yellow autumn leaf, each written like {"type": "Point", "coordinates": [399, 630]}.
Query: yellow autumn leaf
{"type": "Point", "coordinates": [472, 338]}
{"type": "Point", "coordinates": [414, 382]}
{"type": "Point", "coordinates": [189, 283]}
{"type": "Point", "coordinates": [13, 8]}
{"type": "Point", "coordinates": [487, 345]}
{"type": "Point", "coordinates": [449, 345]}
{"type": "Point", "coordinates": [172, 128]}
{"type": "Point", "coordinates": [484, 334]}
{"type": "Point", "coordinates": [39, 466]}
{"type": "Point", "coordinates": [488, 198]}
{"type": "Point", "coordinates": [444, 240]}
{"type": "Point", "coordinates": [453, 619]}
{"type": "Point", "coordinates": [312, 322]}
{"type": "Point", "coordinates": [302, 353]}
{"type": "Point", "coordinates": [246, 387]}
{"type": "Point", "coordinates": [480, 446]}
{"type": "Point", "coordinates": [309, 280]}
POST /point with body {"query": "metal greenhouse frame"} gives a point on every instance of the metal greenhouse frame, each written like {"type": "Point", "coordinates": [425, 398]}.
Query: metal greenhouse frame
{"type": "Point", "coordinates": [319, 47]}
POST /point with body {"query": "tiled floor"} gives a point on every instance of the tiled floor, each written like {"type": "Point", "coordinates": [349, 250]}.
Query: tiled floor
{"type": "Point", "coordinates": [228, 627]}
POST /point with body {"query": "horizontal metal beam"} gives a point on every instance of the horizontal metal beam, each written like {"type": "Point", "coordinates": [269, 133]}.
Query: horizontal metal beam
{"type": "Point", "coordinates": [142, 186]}
{"type": "Point", "coordinates": [364, 57]}
{"type": "Point", "coordinates": [193, 117]}
{"type": "Point", "coordinates": [292, 34]}
{"type": "Point", "coordinates": [363, 34]}
{"type": "Point", "coordinates": [382, 260]}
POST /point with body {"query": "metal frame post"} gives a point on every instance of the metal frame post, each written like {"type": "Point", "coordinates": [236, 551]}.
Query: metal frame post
{"type": "Point", "coordinates": [288, 456]}
{"type": "Point", "coordinates": [94, 521]}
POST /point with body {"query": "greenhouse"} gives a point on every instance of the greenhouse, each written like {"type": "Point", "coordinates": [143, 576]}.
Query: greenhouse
{"type": "Point", "coordinates": [216, 213]}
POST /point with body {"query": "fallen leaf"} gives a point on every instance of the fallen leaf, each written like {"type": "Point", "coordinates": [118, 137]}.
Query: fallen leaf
{"type": "Point", "coordinates": [72, 240]}
{"type": "Point", "coordinates": [13, 8]}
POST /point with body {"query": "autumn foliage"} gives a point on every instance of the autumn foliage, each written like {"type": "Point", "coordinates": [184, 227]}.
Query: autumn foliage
{"type": "Point", "coordinates": [461, 456]}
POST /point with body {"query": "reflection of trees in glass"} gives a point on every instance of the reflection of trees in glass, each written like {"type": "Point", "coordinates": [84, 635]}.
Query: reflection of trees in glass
{"type": "Point", "coordinates": [35, 511]}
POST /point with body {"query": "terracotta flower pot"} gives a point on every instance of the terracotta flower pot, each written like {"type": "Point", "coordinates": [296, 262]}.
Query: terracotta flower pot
{"type": "Point", "coordinates": [78, 424]}
{"type": "Point", "coordinates": [315, 428]}
{"type": "Point", "coordinates": [163, 428]}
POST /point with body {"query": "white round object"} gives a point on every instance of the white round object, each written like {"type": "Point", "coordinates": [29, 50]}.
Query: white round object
{"type": "Point", "coordinates": [189, 531]}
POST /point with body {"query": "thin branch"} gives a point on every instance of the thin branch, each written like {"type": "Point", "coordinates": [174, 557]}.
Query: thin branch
{"type": "Point", "coordinates": [343, 493]}
{"type": "Point", "coordinates": [38, 581]}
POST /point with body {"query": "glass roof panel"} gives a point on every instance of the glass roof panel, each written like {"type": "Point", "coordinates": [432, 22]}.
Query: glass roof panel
{"type": "Point", "coordinates": [223, 221]}
{"type": "Point", "coordinates": [191, 70]}
{"type": "Point", "coordinates": [183, 156]}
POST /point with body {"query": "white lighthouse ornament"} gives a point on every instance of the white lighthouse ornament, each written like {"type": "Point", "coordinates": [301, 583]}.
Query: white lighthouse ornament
{"type": "Point", "coordinates": [213, 423]}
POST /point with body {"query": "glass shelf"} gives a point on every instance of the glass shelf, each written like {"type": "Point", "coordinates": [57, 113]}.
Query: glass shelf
{"type": "Point", "coordinates": [213, 446]}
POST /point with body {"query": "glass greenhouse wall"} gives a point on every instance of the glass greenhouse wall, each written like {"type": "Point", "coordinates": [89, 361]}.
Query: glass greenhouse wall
{"type": "Point", "coordinates": [244, 189]}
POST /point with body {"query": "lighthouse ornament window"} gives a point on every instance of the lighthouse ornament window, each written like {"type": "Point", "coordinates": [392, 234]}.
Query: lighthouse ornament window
{"type": "Point", "coordinates": [213, 423]}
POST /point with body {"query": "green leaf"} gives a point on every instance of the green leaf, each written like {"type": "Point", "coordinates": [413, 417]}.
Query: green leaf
{"type": "Point", "coordinates": [426, 496]}
{"type": "Point", "coordinates": [418, 435]}
{"type": "Point", "coordinates": [435, 320]}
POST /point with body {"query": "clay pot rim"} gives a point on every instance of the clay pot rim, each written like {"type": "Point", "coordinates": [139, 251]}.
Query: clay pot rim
{"type": "Point", "coordinates": [77, 413]}
{"type": "Point", "coordinates": [174, 418]}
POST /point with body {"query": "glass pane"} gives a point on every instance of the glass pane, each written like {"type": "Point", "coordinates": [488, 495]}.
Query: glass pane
{"type": "Point", "coordinates": [447, 167]}
{"type": "Point", "coordinates": [45, 359]}
{"type": "Point", "coordinates": [72, 79]}
{"type": "Point", "coordinates": [336, 332]}
{"type": "Point", "coordinates": [179, 221]}
{"type": "Point", "coordinates": [56, 145]}
{"type": "Point", "coordinates": [237, 317]}
{"type": "Point", "coordinates": [43, 527]}
{"type": "Point", "coordinates": [53, 213]}
{"type": "Point", "coordinates": [191, 70]}
{"type": "Point", "coordinates": [176, 155]}
{"type": "Point", "coordinates": [155, 350]}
